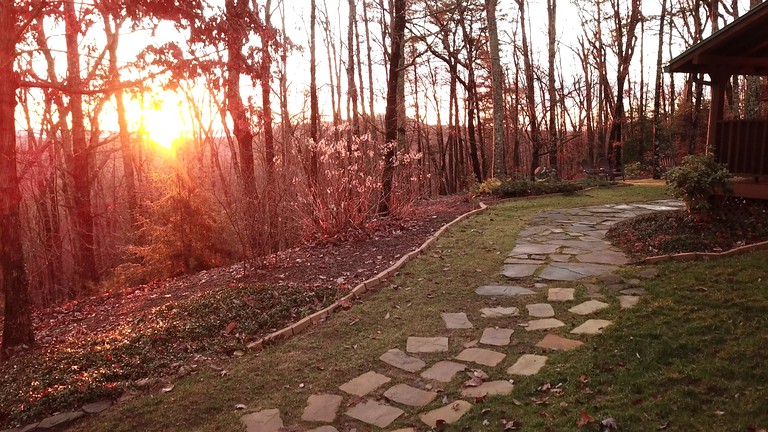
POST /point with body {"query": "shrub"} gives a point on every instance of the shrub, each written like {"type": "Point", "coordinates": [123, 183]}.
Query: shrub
{"type": "Point", "coordinates": [700, 182]}
{"type": "Point", "coordinates": [633, 169]}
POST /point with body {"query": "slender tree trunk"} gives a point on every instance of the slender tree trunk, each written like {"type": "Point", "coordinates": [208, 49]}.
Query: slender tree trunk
{"type": "Point", "coordinates": [552, 90]}
{"type": "Point", "coordinates": [497, 81]}
{"type": "Point", "coordinates": [530, 94]}
{"type": "Point", "coordinates": [657, 94]}
{"type": "Point", "coordinates": [371, 112]}
{"type": "Point", "coordinates": [351, 84]}
{"type": "Point", "coordinates": [314, 115]}
{"type": "Point", "coordinates": [17, 327]}
{"type": "Point", "coordinates": [266, 94]}
{"type": "Point", "coordinates": [390, 116]}
{"type": "Point", "coordinates": [81, 157]}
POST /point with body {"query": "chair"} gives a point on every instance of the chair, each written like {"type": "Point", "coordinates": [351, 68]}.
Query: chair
{"type": "Point", "coordinates": [588, 169]}
{"type": "Point", "coordinates": [666, 163]}
{"type": "Point", "coordinates": [604, 165]}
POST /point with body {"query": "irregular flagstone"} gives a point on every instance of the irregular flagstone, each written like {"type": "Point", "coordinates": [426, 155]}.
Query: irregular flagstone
{"type": "Point", "coordinates": [321, 408]}
{"type": "Point", "coordinates": [498, 312]}
{"type": "Point", "coordinates": [405, 430]}
{"type": "Point", "coordinates": [443, 371]}
{"type": "Point", "coordinates": [588, 307]}
{"type": "Point", "coordinates": [490, 388]}
{"type": "Point", "coordinates": [263, 421]}
{"type": "Point", "coordinates": [426, 344]}
{"type": "Point", "coordinates": [450, 413]}
{"type": "Point", "coordinates": [456, 320]}
{"type": "Point", "coordinates": [496, 336]}
{"type": "Point", "coordinates": [634, 291]}
{"type": "Point", "coordinates": [401, 360]}
{"type": "Point", "coordinates": [503, 290]}
{"type": "Point", "coordinates": [517, 271]}
{"type": "Point", "coordinates": [324, 429]}
{"type": "Point", "coordinates": [374, 413]}
{"type": "Point", "coordinates": [527, 364]}
{"type": "Point", "coordinates": [627, 302]}
{"type": "Point", "coordinates": [560, 257]}
{"type": "Point", "coordinates": [582, 244]}
{"type": "Point", "coordinates": [533, 248]}
{"type": "Point", "coordinates": [59, 419]}
{"type": "Point", "coordinates": [522, 261]}
{"type": "Point", "coordinates": [481, 356]}
{"type": "Point", "coordinates": [411, 396]}
{"type": "Point", "coordinates": [97, 407]}
{"type": "Point", "coordinates": [590, 327]}
{"type": "Point", "coordinates": [611, 279]}
{"type": "Point", "coordinates": [604, 257]}
{"type": "Point", "coordinates": [364, 384]}
{"type": "Point", "coordinates": [540, 310]}
{"type": "Point", "coordinates": [560, 294]}
{"type": "Point", "coordinates": [558, 343]}
{"type": "Point", "coordinates": [544, 324]}
{"type": "Point", "coordinates": [573, 271]}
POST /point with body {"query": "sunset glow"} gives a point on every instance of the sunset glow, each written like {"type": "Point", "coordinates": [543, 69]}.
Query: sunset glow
{"type": "Point", "coordinates": [163, 123]}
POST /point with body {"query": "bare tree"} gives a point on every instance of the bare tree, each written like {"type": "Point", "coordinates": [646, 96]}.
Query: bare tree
{"type": "Point", "coordinates": [497, 80]}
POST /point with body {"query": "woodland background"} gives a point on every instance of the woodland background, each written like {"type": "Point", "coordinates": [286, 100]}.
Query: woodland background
{"type": "Point", "coordinates": [273, 156]}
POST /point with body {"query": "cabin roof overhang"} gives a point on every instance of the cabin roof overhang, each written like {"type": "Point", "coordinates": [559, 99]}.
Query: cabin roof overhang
{"type": "Point", "coordinates": [740, 48]}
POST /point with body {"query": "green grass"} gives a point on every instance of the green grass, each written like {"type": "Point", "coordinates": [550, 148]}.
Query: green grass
{"type": "Point", "coordinates": [693, 348]}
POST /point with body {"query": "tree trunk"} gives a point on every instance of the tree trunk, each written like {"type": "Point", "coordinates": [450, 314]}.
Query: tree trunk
{"type": "Point", "coordinates": [497, 81]}
{"type": "Point", "coordinates": [81, 157]}
{"type": "Point", "coordinates": [314, 115]}
{"type": "Point", "coordinates": [390, 115]}
{"type": "Point", "coordinates": [657, 94]}
{"type": "Point", "coordinates": [530, 94]}
{"type": "Point", "coordinates": [17, 328]}
{"type": "Point", "coordinates": [351, 85]}
{"type": "Point", "coordinates": [552, 90]}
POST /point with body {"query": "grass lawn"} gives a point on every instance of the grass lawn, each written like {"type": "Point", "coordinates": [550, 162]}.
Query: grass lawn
{"type": "Point", "coordinates": [691, 356]}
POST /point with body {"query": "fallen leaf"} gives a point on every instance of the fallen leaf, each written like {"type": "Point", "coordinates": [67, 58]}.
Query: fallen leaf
{"type": "Point", "coordinates": [479, 399]}
{"type": "Point", "coordinates": [240, 407]}
{"type": "Point", "coordinates": [512, 425]}
{"type": "Point", "coordinates": [231, 326]}
{"type": "Point", "coordinates": [584, 419]}
{"type": "Point", "coordinates": [167, 389]}
{"type": "Point", "coordinates": [608, 424]}
{"type": "Point", "coordinates": [584, 378]}
{"type": "Point", "coordinates": [474, 382]}
{"type": "Point", "coordinates": [664, 426]}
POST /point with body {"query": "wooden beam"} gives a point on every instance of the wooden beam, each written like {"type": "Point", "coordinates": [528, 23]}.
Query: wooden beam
{"type": "Point", "coordinates": [716, 108]}
{"type": "Point", "coordinates": [730, 62]}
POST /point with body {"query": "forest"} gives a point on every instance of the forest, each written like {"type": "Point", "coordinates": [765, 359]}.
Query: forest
{"type": "Point", "coordinates": [142, 140]}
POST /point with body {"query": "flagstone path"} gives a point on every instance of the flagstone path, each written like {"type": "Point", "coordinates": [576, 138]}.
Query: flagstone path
{"type": "Point", "coordinates": [557, 246]}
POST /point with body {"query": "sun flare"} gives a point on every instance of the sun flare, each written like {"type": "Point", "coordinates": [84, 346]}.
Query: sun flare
{"type": "Point", "coordinates": [162, 123]}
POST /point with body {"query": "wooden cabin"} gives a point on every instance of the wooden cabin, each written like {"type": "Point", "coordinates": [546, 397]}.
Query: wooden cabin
{"type": "Point", "coordinates": [740, 48]}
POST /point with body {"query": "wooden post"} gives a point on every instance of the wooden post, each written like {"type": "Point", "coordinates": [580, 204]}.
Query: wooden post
{"type": "Point", "coordinates": [719, 80]}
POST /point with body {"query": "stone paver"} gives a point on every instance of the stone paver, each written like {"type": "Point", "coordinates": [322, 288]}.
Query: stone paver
{"type": "Point", "coordinates": [588, 307]}
{"type": "Point", "coordinates": [450, 413]}
{"type": "Point", "coordinates": [481, 356]}
{"type": "Point", "coordinates": [527, 364]}
{"type": "Point", "coordinates": [634, 291]}
{"type": "Point", "coordinates": [375, 413]}
{"type": "Point", "coordinates": [544, 324]}
{"type": "Point", "coordinates": [649, 273]}
{"type": "Point", "coordinates": [555, 342]}
{"type": "Point", "coordinates": [573, 271]}
{"type": "Point", "coordinates": [411, 396]}
{"type": "Point", "coordinates": [364, 384]}
{"type": "Point", "coordinates": [498, 312]}
{"type": "Point", "coordinates": [560, 294]}
{"type": "Point", "coordinates": [519, 271]}
{"type": "Point", "coordinates": [426, 344]}
{"type": "Point", "coordinates": [496, 336]}
{"type": "Point", "coordinates": [97, 407]}
{"type": "Point", "coordinates": [535, 249]}
{"type": "Point", "coordinates": [591, 327]}
{"type": "Point", "coordinates": [325, 428]}
{"type": "Point", "coordinates": [321, 408]}
{"type": "Point", "coordinates": [628, 302]}
{"type": "Point", "coordinates": [490, 388]}
{"type": "Point", "coordinates": [59, 419]}
{"type": "Point", "coordinates": [401, 360]}
{"type": "Point", "coordinates": [456, 320]}
{"type": "Point", "coordinates": [503, 291]}
{"type": "Point", "coordinates": [263, 421]}
{"type": "Point", "coordinates": [443, 371]}
{"type": "Point", "coordinates": [611, 279]}
{"type": "Point", "coordinates": [540, 310]}
{"type": "Point", "coordinates": [604, 257]}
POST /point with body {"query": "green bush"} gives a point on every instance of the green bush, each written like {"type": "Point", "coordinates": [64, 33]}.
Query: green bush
{"type": "Point", "coordinates": [701, 183]}
{"type": "Point", "coordinates": [520, 187]}
{"type": "Point", "coordinates": [633, 169]}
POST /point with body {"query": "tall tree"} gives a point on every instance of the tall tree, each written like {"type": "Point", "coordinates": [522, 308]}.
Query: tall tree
{"type": "Point", "coordinates": [551, 89]}
{"type": "Point", "coordinates": [17, 328]}
{"type": "Point", "coordinates": [314, 115]}
{"type": "Point", "coordinates": [657, 94]}
{"type": "Point", "coordinates": [397, 38]}
{"type": "Point", "coordinates": [530, 94]}
{"type": "Point", "coordinates": [497, 80]}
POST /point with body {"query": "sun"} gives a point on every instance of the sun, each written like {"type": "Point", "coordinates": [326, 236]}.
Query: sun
{"type": "Point", "coordinates": [163, 123]}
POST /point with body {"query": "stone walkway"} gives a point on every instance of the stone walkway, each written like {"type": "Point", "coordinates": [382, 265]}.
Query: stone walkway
{"type": "Point", "coordinates": [558, 246]}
